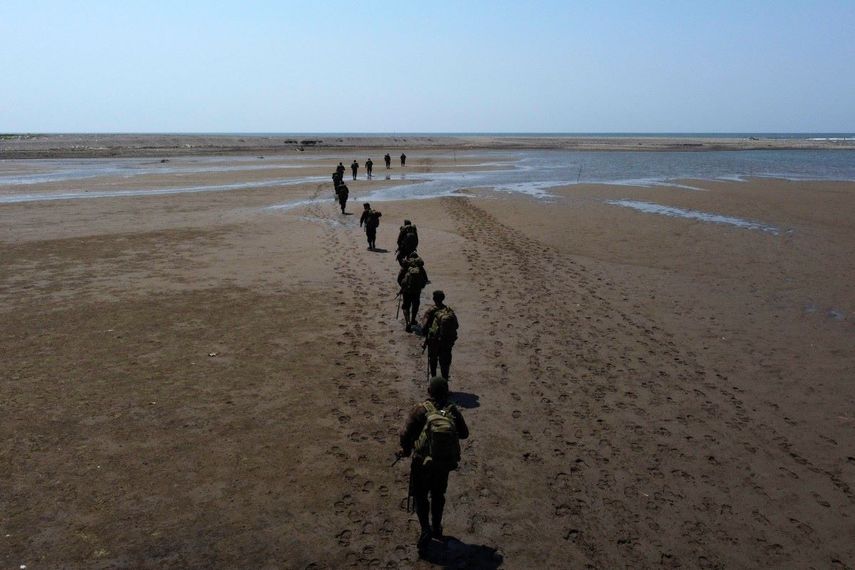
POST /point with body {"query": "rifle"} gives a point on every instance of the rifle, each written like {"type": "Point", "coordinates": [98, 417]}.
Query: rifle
{"type": "Point", "coordinates": [400, 298]}
{"type": "Point", "coordinates": [398, 457]}
{"type": "Point", "coordinates": [411, 502]}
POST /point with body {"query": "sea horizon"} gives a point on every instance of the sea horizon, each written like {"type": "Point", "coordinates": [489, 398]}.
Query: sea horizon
{"type": "Point", "coordinates": [544, 134]}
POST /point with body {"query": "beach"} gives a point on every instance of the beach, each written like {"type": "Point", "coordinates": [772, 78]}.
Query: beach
{"type": "Point", "coordinates": [217, 378]}
{"type": "Point", "coordinates": [152, 144]}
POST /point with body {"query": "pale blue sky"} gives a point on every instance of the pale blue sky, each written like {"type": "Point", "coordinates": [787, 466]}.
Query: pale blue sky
{"type": "Point", "coordinates": [474, 66]}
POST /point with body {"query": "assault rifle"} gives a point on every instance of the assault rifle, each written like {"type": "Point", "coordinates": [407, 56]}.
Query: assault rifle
{"type": "Point", "coordinates": [398, 457]}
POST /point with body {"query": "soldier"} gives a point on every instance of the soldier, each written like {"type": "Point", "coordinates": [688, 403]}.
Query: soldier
{"type": "Point", "coordinates": [408, 241]}
{"type": "Point", "coordinates": [340, 170]}
{"type": "Point", "coordinates": [337, 181]}
{"type": "Point", "coordinates": [388, 160]}
{"type": "Point", "coordinates": [412, 278]}
{"type": "Point", "coordinates": [342, 193]}
{"type": "Point", "coordinates": [371, 219]}
{"type": "Point", "coordinates": [440, 327]}
{"type": "Point", "coordinates": [369, 167]}
{"type": "Point", "coordinates": [354, 167]}
{"type": "Point", "coordinates": [403, 159]}
{"type": "Point", "coordinates": [432, 435]}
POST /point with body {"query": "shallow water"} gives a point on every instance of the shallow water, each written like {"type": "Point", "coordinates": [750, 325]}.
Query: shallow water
{"type": "Point", "coordinates": [164, 191]}
{"type": "Point", "coordinates": [651, 208]}
{"type": "Point", "coordinates": [536, 172]}
{"type": "Point", "coordinates": [533, 172]}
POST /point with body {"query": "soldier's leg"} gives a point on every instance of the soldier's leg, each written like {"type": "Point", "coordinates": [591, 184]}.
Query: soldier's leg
{"type": "Point", "coordinates": [415, 307]}
{"type": "Point", "coordinates": [405, 304]}
{"type": "Point", "coordinates": [420, 495]}
{"type": "Point", "coordinates": [432, 360]}
{"type": "Point", "coordinates": [444, 358]}
{"type": "Point", "coordinates": [421, 487]}
{"type": "Point", "coordinates": [438, 486]}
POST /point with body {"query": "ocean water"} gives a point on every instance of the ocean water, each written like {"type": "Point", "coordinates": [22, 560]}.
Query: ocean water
{"type": "Point", "coordinates": [536, 172]}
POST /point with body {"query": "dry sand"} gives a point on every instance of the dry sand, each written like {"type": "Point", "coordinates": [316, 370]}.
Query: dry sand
{"type": "Point", "coordinates": [159, 145]}
{"type": "Point", "coordinates": [195, 381]}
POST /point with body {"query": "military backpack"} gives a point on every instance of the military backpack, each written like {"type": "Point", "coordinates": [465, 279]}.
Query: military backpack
{"type": "Point", "coordinates": [444, 325]}
{"type": "Point", "coordinates": [439, 443]}
{"type": "Point", "coordinates": [413, 280]}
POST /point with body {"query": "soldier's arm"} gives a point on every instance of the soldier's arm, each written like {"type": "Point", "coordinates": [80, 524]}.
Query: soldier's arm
{"type": "Point", "coordinates": [460, 424]}
{"type": "Point", "coordinates": [411, 430]}
{"type": "Point", "coordinates": [428, 318]}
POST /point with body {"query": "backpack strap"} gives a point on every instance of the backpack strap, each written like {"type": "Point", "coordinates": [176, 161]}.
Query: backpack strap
{"type": "Point", "coordinates": [431, 409]}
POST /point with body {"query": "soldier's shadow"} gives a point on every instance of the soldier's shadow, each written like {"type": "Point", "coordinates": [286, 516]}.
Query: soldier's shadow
{"type": "Point", "coordinates": [379, 250]}
{"type": "Point", "coordinates": [453, 553]}
{"type": "Point", "coordinates": [465, 399]}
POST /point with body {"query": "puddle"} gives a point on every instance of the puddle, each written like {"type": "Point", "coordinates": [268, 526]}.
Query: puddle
{"type": "Point", "coordinates": [84, 194]}
{"type": "Point", "coordinates": [651, 208]}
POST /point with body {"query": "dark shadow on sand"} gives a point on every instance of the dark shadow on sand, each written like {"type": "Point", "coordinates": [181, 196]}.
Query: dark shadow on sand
{"type": "Point", "coordinates": [379, 250]}
{"type": "Point", "coordinates": [452, 553]}
{"type": "Point", "coordinates": [465, 400]}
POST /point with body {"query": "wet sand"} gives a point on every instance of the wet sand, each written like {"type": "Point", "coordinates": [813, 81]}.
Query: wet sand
{"type": "Point", "coordinates": [196, 380]}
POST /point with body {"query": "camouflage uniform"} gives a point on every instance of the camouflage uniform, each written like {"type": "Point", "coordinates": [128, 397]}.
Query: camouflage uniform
{"type": "Point", "coordinates": [411, 296]}
{"type": "Point", "coordinates": [439, 348]}
{"type": "Point", "coordinates": [371, 219]}
{"type": "Point", "coordinates": [429, 480]}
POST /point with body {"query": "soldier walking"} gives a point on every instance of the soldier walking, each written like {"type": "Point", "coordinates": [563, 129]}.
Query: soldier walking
{"type": "Point", "coordinates": [440, 326]}
{"type": "Point", "coordinates": [408, 241]}
{"type": "Point", "coordinates": [388, 160]}
{"type": "Point", "coordinates": [432, 434]}
{"type": "Point", "coordinates": [337, 181]}
{"type": "Point", "coordinates": [412, 278]}
{"type": "Point", "coordinates": [369, 168]}
{"type": "Point", "coordinates": [354, 167]}
{"type": "Point", "coordinates": [370, 219]}
{"type": "Point", "coordinates": [403, 159]}
{"type": "Point", "coordinates": [342, 192]}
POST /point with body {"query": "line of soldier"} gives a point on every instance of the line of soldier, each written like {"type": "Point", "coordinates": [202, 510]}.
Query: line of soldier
{"type": "Point", "coordinates": [433, 428]}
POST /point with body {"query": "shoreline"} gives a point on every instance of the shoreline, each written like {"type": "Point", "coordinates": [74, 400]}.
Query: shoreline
{"type": "Point", "coordinates": [159, 145]}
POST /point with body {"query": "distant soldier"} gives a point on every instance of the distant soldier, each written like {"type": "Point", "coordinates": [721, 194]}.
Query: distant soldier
{"type": "Point", "coordinates": [403, 159]}
{"type": "Point", "coordinates": [342, 193]}
{"type": "Point", "coordinates": [369, 167]}
{"type": "Point", "coordinates": [354, 167]}
{"type": "Point", "coordinates": [408, 241]}
{"type": "Point", "coordinates": [340, 170]}
{"type": "Point", "coordinates": [337, 181]}
{"type": "Point", "coordinates": [388, 160]}
{"type": "Point", "coordinates": [412, 278]}
{"type": "Point", "coordinates": [432, 434]}
{"type": "Point", "coordinates": [440, 327]}
{"type": "Point", "coordinates": [371, 219]}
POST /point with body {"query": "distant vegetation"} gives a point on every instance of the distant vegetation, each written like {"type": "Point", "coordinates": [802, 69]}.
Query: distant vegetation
{"type": "Point", "coordinates": [24, 136]}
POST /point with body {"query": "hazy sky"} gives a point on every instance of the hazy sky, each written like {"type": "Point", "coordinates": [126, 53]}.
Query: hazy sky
{"type": "Point", "coordinates": [485, 66]}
